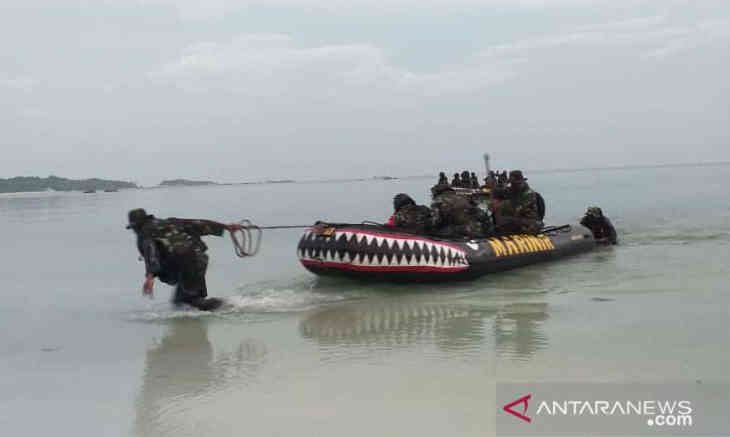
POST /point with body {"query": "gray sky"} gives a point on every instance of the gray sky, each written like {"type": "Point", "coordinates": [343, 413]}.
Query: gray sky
{"type": "Point", "coordinates": [235, 90]}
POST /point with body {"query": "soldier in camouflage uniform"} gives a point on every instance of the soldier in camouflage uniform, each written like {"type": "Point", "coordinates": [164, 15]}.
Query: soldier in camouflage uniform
{"type": "Point", "coordinates": [465, 179]}
{"type": "Point", "coordinates": [518, 212]}
{"type": "Point", "coordinates": [456, 216]}
{"type": "Point", "coordinates": [409, 216]}
{"type": "Point", "coordinates": [600, 225]}
{"type": "Point", "coordinates": [173, 251]}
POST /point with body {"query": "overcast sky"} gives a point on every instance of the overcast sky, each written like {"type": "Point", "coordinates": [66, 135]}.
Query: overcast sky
{"type": "Point", "coordinates": [236, 90]}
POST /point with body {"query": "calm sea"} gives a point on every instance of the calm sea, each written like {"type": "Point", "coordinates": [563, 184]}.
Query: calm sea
{"type": "Point", "coordinates": [83, 353]}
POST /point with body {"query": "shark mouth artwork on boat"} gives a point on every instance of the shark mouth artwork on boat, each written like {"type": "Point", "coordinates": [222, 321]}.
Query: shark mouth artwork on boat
{"type": "Point", "coordinates": [355, 249]}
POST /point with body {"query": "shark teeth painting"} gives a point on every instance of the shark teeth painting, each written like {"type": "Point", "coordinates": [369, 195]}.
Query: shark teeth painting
{"type": "Point", "coordinates": [356, 249]}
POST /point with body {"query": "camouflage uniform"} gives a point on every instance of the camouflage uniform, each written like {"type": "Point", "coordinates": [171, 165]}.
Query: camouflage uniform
{"type": "Point", "coordinates": [600, 226]}
{"type": "Point", "coordinates": [518, 213]}
{"type": "Point", "coordinates": [456, 216]}
{"type": "Point", "coordinates": [465, 179]}
{"type": "Point", "coordinates": [413, 218]}
{"type": "Point", "coordinates": [173, 251]}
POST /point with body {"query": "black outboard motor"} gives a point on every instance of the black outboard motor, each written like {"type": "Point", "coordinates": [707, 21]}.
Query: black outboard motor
{"type": "Point", "coordinates": [601, 227]}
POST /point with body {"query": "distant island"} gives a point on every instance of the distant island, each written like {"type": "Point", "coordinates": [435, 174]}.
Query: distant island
{"type": "Point", "coordinates": [22, 184]}
{"type": "Point", "coordinates": [185, 183]}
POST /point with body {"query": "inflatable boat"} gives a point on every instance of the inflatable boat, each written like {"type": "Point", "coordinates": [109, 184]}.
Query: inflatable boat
{"type": "Point", "coordinates": [376, 252]}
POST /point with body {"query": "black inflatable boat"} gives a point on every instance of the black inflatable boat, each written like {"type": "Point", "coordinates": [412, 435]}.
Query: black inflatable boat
{"type": "Point", "coordinates": [376, 252]}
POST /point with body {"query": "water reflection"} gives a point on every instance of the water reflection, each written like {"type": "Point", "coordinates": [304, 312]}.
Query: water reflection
{"type": "Point", "coordinates": [517, 330]}
{"type": "Point", "coordinates": [393, 323]}
{"type": "Point", "coordinates": [457, 328]}
{"type": "Point", "coordinates": [183, 369]}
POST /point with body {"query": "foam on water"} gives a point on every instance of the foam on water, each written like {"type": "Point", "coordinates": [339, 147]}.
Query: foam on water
{"type": "Point", "coordinates": [166, 311]}
{"type": "Point", "coordinates": [262, 297]}
{"type": "Point", "coordinates": [273, 300]}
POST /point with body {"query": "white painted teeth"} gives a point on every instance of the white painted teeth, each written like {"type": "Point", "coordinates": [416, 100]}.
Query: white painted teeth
{"type": "Point", "coordinates": [391, 252]}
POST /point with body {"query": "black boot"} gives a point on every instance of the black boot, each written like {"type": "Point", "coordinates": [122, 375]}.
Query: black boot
{"type": "Point", "coordinates": [207, 304]}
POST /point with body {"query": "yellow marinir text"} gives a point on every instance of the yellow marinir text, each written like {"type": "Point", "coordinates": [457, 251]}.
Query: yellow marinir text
{"type": "Point", "coordinates": [497, 246]}
{"type": "Point", "coordinates": [520, 244]}
{"type": "Point", "coordinates": [511, 246]}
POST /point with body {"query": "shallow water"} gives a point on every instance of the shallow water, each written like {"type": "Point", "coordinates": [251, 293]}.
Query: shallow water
{"type": "Point", "coordinates": [83, 351]}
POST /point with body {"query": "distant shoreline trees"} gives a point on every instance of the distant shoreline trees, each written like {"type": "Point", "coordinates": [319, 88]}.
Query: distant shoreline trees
{"type": "Point", "coordinates": [184, 183]}
{"type": "Point", "coordinates": [54, 183]}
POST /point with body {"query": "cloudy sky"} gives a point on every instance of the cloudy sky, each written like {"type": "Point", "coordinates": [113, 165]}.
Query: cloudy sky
{"type": "Point", "coordinates": [235, 90]}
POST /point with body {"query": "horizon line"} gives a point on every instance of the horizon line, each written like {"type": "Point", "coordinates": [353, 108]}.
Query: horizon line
{"type": "Point", "coordinates": [365, 178]}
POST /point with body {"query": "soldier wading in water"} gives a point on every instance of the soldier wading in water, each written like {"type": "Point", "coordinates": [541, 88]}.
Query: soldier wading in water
{"type": "Point", "coordinates": [173, 251]}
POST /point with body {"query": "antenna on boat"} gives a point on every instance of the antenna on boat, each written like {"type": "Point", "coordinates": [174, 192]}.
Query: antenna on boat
{"type": "Point", "coordinates": [486, 163]}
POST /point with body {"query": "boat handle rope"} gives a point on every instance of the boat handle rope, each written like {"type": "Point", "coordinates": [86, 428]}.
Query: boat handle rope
{"type": "Point", "coordinates": [556, 229]}
{"type": "Point", "coordinates": [248, 243]}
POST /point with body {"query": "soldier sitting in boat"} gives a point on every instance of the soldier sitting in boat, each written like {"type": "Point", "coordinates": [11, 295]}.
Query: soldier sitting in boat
{"type": "Point", "coordinates": [456, 216]}
{"type": "Point", "coordinates": [600, 225]}
{"type": "Point", "coordinates": [474, 180]}
{"type": "Point", "coordinates": [443, 179]}
{"type": "Point", "coordinates": [409, 216]}
{"type": "Point", "coordinates": [502, 178]}
{"type": "Point", "coordinates": [456, 182]}
{"type": "Point", "coordinates": [465, 179]}
{"type": "Point", "coordinates": [517, 208]}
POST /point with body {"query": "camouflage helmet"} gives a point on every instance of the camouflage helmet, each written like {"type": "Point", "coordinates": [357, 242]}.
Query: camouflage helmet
{"type": "Point", "coordinates": [137, 217]}
{"type": "Point", "coordinates": [594, 211]}
{"type": "Point", "coordinates": [402, 199]}
{"type": "Point", "coordinates": [516, 175]}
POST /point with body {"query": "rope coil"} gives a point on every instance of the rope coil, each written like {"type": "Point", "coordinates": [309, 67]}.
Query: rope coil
{"type": "Point", "coordinates": [249, 242]}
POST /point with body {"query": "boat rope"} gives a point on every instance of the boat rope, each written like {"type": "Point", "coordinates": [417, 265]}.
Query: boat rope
{"type": "Point", "coordinates": [555, 229]}
{"type": "Point", "coordinates": [285, 227]}
{"type": "Point", "coordinates": [247, 241]}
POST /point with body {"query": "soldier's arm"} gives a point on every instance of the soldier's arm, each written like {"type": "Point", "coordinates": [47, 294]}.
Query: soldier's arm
{"type": "Point", "coordinates": [151, 256]}
{"type": "Point", "coordinates": [201, 227]}
{"type": "Point", "coordinates": [528, 210]}
{"type": "Point", "coordinates": [436, 215]}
